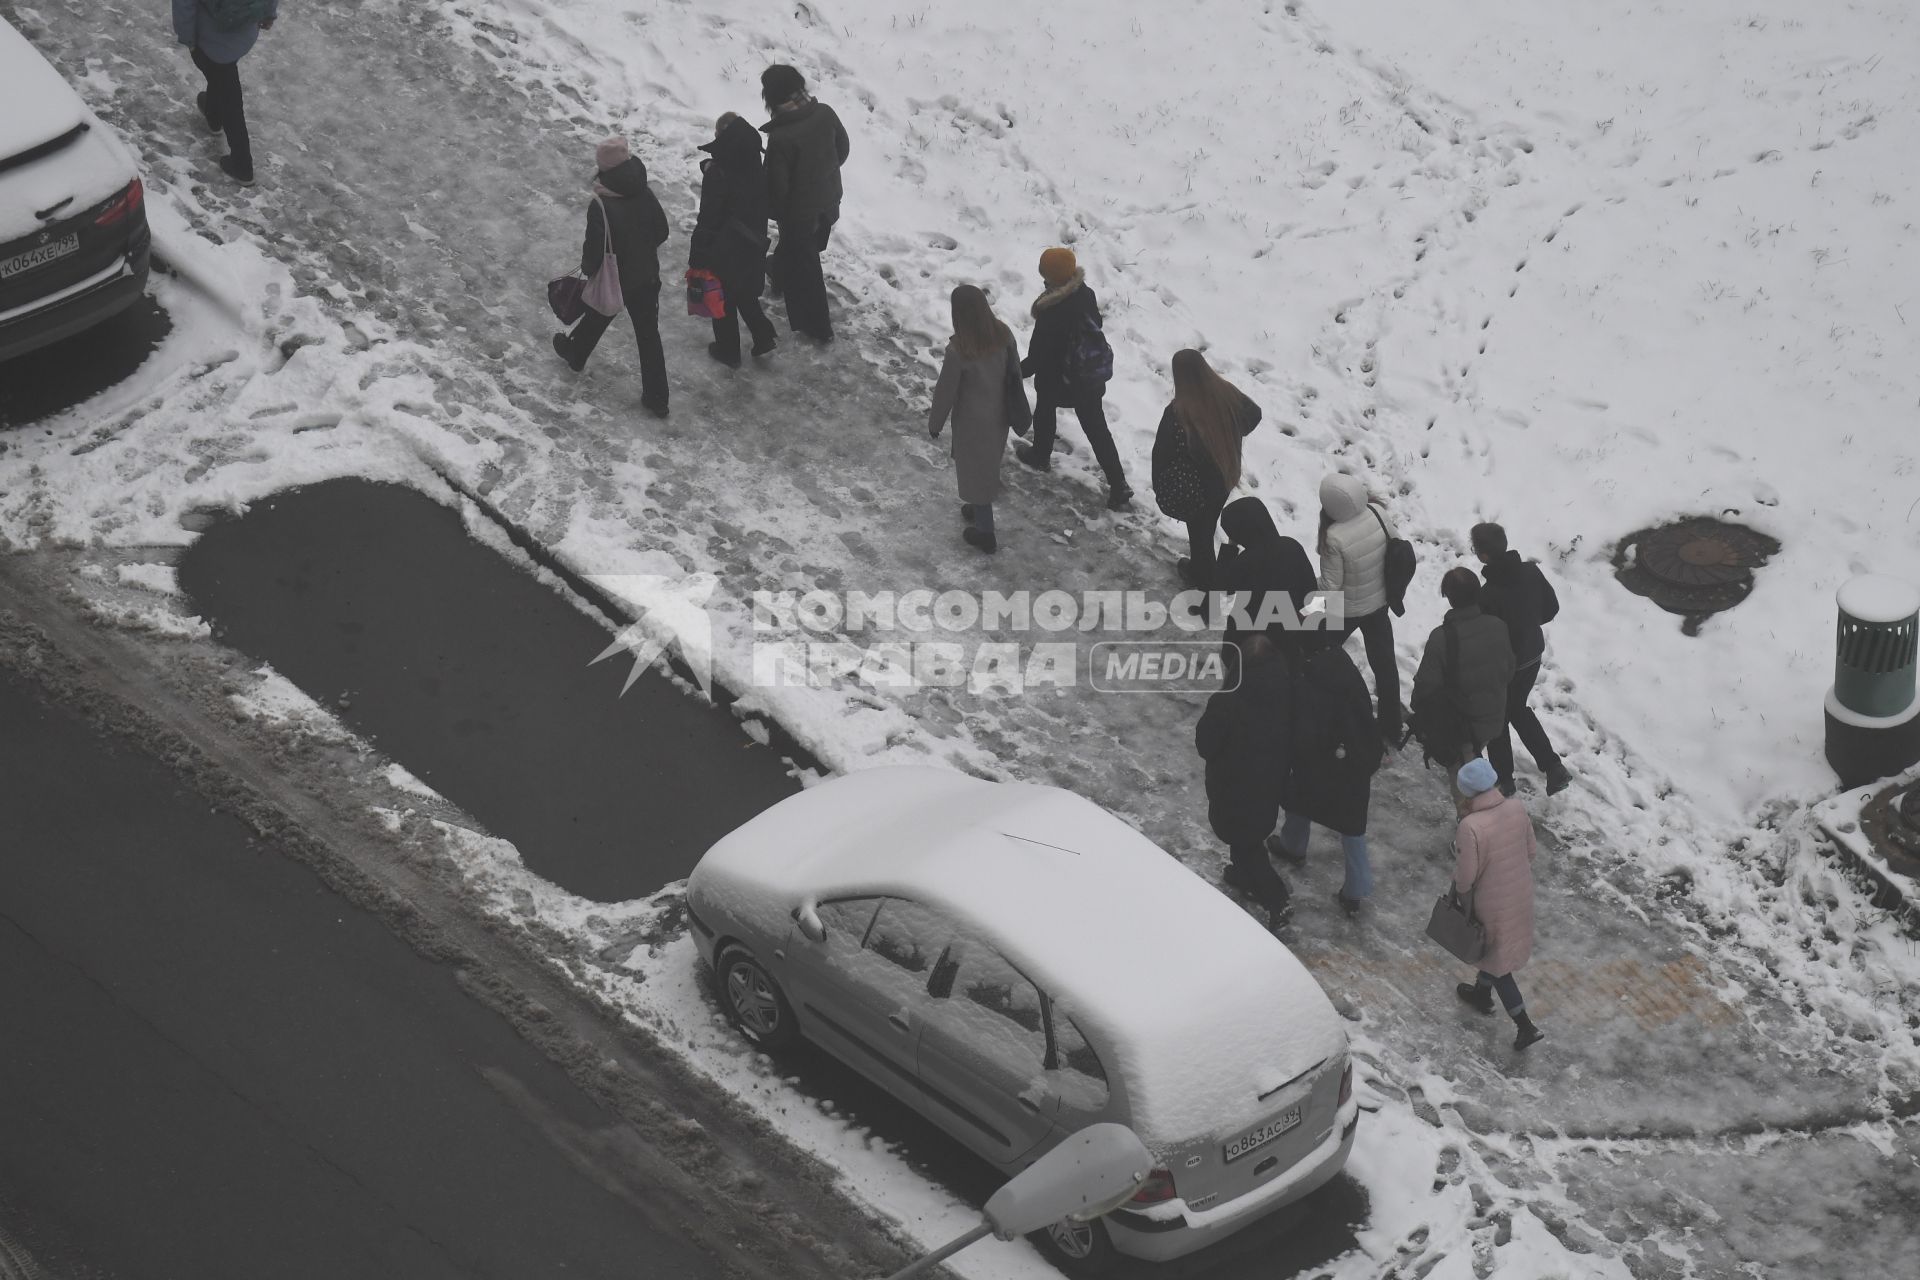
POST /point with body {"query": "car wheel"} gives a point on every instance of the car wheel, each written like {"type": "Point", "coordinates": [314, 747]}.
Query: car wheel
{"type": "Point", "coordinates": [1077, 1248]}
{"type": "Point", "coordinates": [754, 1001]}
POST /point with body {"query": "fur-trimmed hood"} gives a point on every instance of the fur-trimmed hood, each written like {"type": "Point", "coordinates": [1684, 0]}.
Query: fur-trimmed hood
{"type": "Point", "coordinates": [1060, 292]}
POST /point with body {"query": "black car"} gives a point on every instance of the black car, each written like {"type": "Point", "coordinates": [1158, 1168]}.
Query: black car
{"type": "Point", "coordinates": [74, 243]}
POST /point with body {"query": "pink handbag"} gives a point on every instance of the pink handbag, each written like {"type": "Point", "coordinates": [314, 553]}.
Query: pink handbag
{"type": "Point", "coordinates": [603, 291]}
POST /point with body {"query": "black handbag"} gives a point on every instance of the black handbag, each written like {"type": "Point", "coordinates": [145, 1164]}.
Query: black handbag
{"type": "Point", "coordinates": [1398, 566]}
{"type": "Point", "coordinates": [1454, 926]}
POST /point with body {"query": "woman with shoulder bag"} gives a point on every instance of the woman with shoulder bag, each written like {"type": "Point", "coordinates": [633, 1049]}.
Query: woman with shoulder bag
{"type": "Point", "coordinates": [1353, 540]}
{"type": "Point", "coordinates": [980, 388]}
{"type": "Point", "coordinates": [1493, 863]}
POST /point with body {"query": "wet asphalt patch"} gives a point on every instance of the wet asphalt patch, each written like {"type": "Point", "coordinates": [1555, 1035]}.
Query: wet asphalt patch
{"type": "Point", "coordinates": [479, 680]}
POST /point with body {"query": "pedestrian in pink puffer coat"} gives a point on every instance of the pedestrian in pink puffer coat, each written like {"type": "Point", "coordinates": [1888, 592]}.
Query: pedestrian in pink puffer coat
{"type": "Point", "coordinates": [1493, 860]}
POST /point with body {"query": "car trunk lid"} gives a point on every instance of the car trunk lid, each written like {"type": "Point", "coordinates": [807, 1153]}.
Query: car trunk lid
{"type": "Point", "coordinates": [1273, 1129]}
{"type": "Point", "coordinates": [36, 105]}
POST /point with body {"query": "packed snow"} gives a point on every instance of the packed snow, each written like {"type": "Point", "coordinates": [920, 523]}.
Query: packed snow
{"type": "Point", "coordinates": [1579, 271]}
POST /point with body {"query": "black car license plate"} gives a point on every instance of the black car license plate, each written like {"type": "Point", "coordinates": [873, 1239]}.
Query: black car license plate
{"type": "Point", "coordinates": [39, 256]}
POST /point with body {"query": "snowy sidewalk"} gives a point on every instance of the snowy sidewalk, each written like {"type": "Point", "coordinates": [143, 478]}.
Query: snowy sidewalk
{"type": "Point", "coordinates": [404, 178]}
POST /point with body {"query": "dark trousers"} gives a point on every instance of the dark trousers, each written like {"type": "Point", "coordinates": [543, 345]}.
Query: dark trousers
{"type": "Point", "coordinates": [225, 107]}
{"type": "Point", "coordinates": [1268, 889]}
{"type": "Point", "coordinates": [1200, 548]}
{"type": "Point", "coordinates": [1509, 991]}
{"type": "Point", "coordinates": [643, 307]}
{"type": "Point", "coordinates": [726, 330]}
{"type": "Point", "coordinates": [1376, 630]}
{"type": "Point", "coordinates": [1090, 408]}
{"type": "Point", "coordinates": [795, 270]}
{"type": "Point", "coordinates": [1521, 720]}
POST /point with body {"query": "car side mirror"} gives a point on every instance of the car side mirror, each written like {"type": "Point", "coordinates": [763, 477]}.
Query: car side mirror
{"type": "Point", "coordinates": [811, 926]}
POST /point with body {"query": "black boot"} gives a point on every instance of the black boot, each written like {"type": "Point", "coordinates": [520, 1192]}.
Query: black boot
{"type": "Point", "coordinates": [1477, 996]}
{"type": "Point", "coordinates": [1525, 1032]}
{"type": "Point", "coordinates": [1558, 779]}
{"type": "Point", "coordinates": [1033, 458]}
{"type": "Point", "coordinates": [1120, 498]}
{"type": "Point", "coordinates": [975, 538]}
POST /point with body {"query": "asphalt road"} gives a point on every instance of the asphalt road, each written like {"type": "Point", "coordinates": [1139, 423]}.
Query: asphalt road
{"type": "Point", "coordinates": [215, 1066]}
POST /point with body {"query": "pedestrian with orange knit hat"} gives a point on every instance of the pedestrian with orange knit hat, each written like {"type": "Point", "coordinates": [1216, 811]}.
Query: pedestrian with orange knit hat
{"type": "Point", "coordinates": [1070, 363]}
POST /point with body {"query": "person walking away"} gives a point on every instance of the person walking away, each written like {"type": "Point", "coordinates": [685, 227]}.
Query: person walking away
{"type": "Point", "coordinates": [1060, 359]}
{"type": "Point", "coordinates": [1518, 593]}
{"type": "Point", "coordinates": [978, 379]}
{"type": "Point", "coordinates": [626, 213]}
{"type": "Point", "coordinates": [220, 33]}
{"type": "Point", "coordinates": [1196, 457]}
{"type": "Point", "coordinates": [1493, 852]}
{"type": "Point", "coordinates": [806, 145]}
{"type": "Point", "coordinates": [1243, 737]}
{"type": "Point", "coordinates": [1258, 565]}
{"type": "Point", "coordinates": [730, 236]}
{"type": "Point", "coordinates": [1335, 751]}
{"type": "Point", "coordinates": [1460, 689]}
{"type": "Point", "coordinates": [1353, 561]}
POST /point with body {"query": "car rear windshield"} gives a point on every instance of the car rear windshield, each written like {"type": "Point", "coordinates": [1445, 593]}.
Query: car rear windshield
{"type": "Point", "coordinates": [50, 147]}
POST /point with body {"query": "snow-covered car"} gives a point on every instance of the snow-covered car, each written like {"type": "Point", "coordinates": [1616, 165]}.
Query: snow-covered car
{"type": "Point", "coordinates": [74, 243]}
{"type": "Point", "coordinates": [1015, 963]}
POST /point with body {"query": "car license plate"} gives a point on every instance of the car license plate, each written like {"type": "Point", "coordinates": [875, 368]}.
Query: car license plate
{"type": "Point", "coordinates": [39, 256]}
{"type": "Point", "coordinates": [1254, 1139]}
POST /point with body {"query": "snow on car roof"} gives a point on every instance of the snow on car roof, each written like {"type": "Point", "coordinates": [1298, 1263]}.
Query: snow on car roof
{"type": "Point", "coordinates": [1205, 1009]}
{"type": "Point", "coordinates": [36, 105]}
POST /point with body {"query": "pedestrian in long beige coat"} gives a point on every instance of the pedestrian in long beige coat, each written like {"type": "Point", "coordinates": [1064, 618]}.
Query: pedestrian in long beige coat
{"type": "Point", "coordinates": [981, 390]}
{"type": "Point", "coordinates": [1493, 860]}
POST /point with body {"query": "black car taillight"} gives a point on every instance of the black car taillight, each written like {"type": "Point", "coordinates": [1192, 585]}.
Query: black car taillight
{"type": "Point", "coordinates": [1346, 1086]}
{"type": "Point", "coordinates": [1157, 1189]}
{"type": "Point", "coordinates": [122, 205]}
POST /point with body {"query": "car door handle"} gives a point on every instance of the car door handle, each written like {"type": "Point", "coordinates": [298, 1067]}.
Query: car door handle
{"type": "Point", "coordinates": [900, 1020]}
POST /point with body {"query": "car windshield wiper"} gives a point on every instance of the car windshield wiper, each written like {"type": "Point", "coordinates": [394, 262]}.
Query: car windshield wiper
{"type": "Point", "coordinates": [46, 148]}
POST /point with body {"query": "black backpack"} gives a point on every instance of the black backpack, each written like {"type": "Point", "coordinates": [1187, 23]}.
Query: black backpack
{"type": "Point", "coordinates": [1089, 361]}
{"type": "Point", "coordinates": [1399, 566]}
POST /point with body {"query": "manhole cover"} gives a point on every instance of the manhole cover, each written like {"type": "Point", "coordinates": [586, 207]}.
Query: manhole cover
{"type": "Point", "coordinates": [1695, 567]}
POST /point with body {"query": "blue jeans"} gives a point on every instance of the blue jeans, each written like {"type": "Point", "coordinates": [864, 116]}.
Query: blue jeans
{"type": "Point", "coordinates": [1297, 831]}
{"type": "Point", "coordinates": [1510, 998]}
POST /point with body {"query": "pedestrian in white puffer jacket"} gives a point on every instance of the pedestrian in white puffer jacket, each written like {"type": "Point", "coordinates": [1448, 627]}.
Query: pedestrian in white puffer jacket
{"type": "Point", "coordinates": [1353, 561]}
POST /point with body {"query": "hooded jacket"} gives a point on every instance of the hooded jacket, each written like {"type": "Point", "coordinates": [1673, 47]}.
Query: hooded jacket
{"type": "Point", "coordinates": [730, 233]}
{"type": "Point", "coordinates": [1059, 314]}
{"type": "Point", "coordinates": [1243, 736]}
{"type": "Point", "coordinates": [639, 227]}
{"type": "Point", "coordinates": [806, 145]}
{"type": "Point", "coordinates": [1260, 561]}
{"type": "Point", "coordinates": [1518, 593]}
{"type": "Point", "coordinates": [1493, 857]}
{"type": "Point", "coordinates": [1355, 559]}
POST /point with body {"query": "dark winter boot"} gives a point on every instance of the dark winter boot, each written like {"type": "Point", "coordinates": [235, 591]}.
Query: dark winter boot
{"type": "Point", "coordinates": [658, 408]}
{"type": "Point", "coordinates": [1558, 779]}
{"type": "Point", "coordinates": [1477, 996]}
{"type": "Point", "coordinates": [1525, 1032]}
{"type": "Point", "coordinates": [714, 350]}
{"type": "Point", "coordinates": [765, 349]}
{"type": "Point", "coordinates": [231, 167]}
{"type": "Point", "coordinates": [1507, 788]}
{"type": "Point", "coordinates": [1038, 461]}
{"type": "Point", "coordinates": [560, 349]}
{"type": "Point", "coordinates": [1278, 849]}
{"type": "Point", "coordinates": [1120, 499]}
{"type": "Point", "coordinates": [1349, 905]}
{"type": "Point", "coordinates": [985, 541]}
{"type": "Point", "coordinates": [966, 511]}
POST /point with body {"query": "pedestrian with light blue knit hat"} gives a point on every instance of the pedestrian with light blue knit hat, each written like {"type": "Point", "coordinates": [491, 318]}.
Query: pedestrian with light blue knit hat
{"type": "Point", "coordinates": [1493, 852]}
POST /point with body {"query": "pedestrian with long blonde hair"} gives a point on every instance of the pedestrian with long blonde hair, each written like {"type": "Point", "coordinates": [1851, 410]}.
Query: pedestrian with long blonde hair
{"type": "Point", "coordinates": [980, 388]}
{"type": "Point", "coordinates": [1196, 456]}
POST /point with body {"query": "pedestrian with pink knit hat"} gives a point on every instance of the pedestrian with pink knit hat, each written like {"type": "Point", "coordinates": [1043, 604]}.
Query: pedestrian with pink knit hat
{"type": "Point", "coordinates": [1493, 850]}
{"type": "Point", "coordinates": [625, 221]}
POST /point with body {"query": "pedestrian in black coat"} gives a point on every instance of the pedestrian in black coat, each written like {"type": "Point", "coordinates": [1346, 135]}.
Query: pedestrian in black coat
{"type": "Point", "coordinates": [1335, 750]}
{"type": "Point", "coordinates": [1196, 457]}
{"type": "Point", "coordinates": [1063, 315]}
{"type": "Point", "coordinates": [730, 236]}
{"type": "Point", "coordinates": [806, 145]}
{"type": "Point", "coordinates": [1243, 735]}
{"type": "Point", "coordinates": [637, 227]}
{"type": "Point", "coordinates": [1518, 593]}
{"type": "Point", "coordinates": [1259, 563]}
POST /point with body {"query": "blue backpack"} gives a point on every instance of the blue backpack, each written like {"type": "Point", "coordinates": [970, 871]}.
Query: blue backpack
{"type": "Point", "coordinates": [1089, 357]}
{"type": "Point", "coordinates": [231, 15]}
